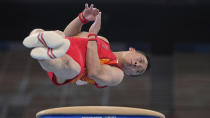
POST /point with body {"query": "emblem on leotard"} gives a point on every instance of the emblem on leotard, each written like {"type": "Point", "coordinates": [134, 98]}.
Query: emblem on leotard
{"type": "Point", "coordinates": [105, 46]}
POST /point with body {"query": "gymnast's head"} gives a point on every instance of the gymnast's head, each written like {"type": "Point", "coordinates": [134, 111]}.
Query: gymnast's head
{"type": "Point", "coordinates": [135, 62]}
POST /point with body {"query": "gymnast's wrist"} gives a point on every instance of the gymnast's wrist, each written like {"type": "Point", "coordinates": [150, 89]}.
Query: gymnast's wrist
{"type": "Point", "coordinates": [82, 19]}
{"type": "Point", "coordinates": [92, 37]}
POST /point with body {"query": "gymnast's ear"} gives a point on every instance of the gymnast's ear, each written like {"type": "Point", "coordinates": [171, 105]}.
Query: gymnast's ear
{"type": "Point", "coordinates": [132, 49]}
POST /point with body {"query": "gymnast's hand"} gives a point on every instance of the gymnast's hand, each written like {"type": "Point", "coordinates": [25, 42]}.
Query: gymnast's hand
{"type": "Point", "coordinates": [96, 26]}
{"type": "Point", "coordinates": [90, 13]}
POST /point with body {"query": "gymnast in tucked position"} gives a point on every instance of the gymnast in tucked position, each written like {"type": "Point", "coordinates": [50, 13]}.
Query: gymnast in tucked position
{"type": "Point", "coordinates": [79, 57]}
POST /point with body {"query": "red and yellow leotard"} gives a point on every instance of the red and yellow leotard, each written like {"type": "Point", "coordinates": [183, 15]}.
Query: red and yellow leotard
{"type": "Point", "coordinates": [78, 50]}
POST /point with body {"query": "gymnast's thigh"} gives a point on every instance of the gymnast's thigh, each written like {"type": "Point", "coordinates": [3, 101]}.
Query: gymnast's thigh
{"type": "Point", "coordinates": [70, 68]}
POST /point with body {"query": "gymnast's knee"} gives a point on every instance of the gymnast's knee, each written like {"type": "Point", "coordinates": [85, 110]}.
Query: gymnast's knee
{"type": "Point", "coordinates": [85, 34]}
{"type": "Point", "coordinates": [60, 33]}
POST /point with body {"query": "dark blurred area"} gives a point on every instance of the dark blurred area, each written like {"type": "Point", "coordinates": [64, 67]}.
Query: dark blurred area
{"type": "Point", "coordinates": [164, 22]}
{"type": "Point", "coordinates": [175, 33]}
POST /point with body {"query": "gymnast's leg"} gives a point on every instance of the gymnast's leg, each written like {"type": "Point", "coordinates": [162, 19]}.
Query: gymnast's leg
{"type": "Point", "coordinates": [64, 67]}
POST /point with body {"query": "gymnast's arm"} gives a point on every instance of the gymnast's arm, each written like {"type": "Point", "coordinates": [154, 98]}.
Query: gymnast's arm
{"type": "Point", "coordinates": [102, 74]}
{"type": "Point", "coordinates": [75, 26]}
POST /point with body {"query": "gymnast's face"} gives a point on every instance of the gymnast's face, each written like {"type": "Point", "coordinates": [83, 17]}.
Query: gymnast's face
{"type": "Point", "coordinates": [135, 63]}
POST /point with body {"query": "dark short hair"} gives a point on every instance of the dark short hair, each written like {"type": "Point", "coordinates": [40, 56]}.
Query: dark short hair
{"type": "Point", "coordinates": [148, 65]}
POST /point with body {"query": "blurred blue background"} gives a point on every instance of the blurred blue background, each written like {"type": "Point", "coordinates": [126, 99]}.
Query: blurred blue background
{"type": "Point", "coordinates": [174, 32]}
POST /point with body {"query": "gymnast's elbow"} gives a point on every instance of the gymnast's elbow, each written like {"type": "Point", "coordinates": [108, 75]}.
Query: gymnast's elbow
{"type": "Point", "coordinates": [95, 71]}
{"type": "Point", "coordinates": [93, 74]}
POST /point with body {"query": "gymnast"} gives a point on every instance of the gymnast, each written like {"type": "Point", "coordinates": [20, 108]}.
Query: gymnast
{"type": "Point", "coordinates": [83, 58]}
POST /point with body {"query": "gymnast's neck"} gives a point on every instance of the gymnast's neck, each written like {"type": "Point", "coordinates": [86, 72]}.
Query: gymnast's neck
{"type": "Point", "coordinates": [121, 56]}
